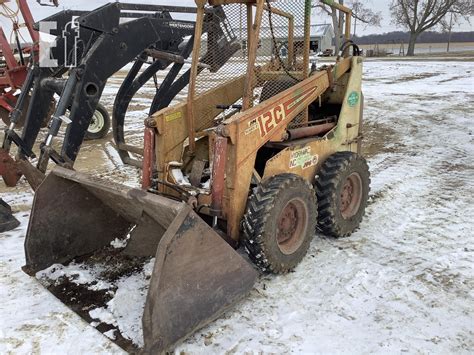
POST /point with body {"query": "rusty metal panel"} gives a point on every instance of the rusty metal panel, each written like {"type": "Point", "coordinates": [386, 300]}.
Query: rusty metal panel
{"type": "Point", "coordinates": [197, 276]}
{"type": "Point", "coordinates": [68, 221]}
{"type": "Point", "coordinates": [75, 214]}
{"type": "Point", "coordinates": [8, 169]}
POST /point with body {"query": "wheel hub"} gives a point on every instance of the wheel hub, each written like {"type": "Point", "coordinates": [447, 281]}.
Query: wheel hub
{"type": "Point", "coordinates": [97, 123]}
{"type": "Point", "coordinates": [291, 226]}
{"type": "Point", "coordinates": [288, 223]}
{"type": "Point", "coordinates": [351, 196]}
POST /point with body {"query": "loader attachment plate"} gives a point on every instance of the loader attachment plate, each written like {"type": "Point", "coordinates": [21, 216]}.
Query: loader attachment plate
{"type": "Point", "coordinates": [196, 275]}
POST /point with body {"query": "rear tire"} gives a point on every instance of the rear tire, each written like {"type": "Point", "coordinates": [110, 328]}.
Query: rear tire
{"type": "Point", "coordinates": [342, 188]}
{"type": "Point", "coordinates": [100, 124]}
{"type": "Point", "coordinates": [280, 222]}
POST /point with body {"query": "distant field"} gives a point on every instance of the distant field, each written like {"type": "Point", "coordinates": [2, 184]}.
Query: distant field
{"type": "Point", "coordinates": [424, 48]}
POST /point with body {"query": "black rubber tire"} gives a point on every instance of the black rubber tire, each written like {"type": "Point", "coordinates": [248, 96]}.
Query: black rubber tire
{"type": "Point", "coordinates": [104, 129]}
{"type": "Point", "coordinates": [260, 225]}
{"type": "Point", "coordinates": [329, 184]}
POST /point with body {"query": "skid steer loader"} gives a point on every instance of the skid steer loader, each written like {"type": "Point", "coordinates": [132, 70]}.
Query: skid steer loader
{"type": "Point", "coordinates": [264, 151]}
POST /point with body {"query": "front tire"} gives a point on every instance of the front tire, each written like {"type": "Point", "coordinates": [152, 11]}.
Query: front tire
{"type": "Point", "coordinates": [280, 222]}
{"type": "Point", "coordinates": [100, 124]}
{"type": "Point", "coordinates": [342, 189]}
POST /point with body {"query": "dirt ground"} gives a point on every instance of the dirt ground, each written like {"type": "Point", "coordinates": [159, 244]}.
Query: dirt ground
{"type": "Point", "coordinates": [402, 283]}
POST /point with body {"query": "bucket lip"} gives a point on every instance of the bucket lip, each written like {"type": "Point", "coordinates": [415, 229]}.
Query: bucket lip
{"type": "Point", "coordinates": [92, 182]}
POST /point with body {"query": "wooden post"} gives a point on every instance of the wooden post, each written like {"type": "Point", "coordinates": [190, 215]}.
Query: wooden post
{"type": "Point", "coordinates": [249, 81]}
{"type": "Point", "coordinates": [291, 42]}
{"type": "Point", "coordinates": [348, 31]}
{"type": "Point", "coordinates": [249, 26]}
{"type": "Point", "coordinates": [194, 72]}
{"type": "Point", "coordinates": [348, 25]}
{"type": "Point", "coordinates": [307, 44]}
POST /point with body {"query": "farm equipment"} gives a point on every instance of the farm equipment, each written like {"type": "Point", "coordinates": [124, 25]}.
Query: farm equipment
{"type": "Point", "coordinates": [261, 153]}
{"type": "Point", "coordinates": [113, 27]}
{"type": "Point", "coordinates": [14, 71]}
{"type": "Point", "coordinates": [7, 220]}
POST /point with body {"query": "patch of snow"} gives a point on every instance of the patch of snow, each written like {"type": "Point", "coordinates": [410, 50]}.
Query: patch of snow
{"type": "Point", "coordinates": [103, 315]}
{"type": "Point", "coordinates": [78, 274]}
{"type": "Point", "coordinates": [111, 334]}
{"type": "Point", "coordinates": [206, 185]}
{"type": "Point", "coordinates": [33, 321]}
{"type": "Point", "coordinates": [179, 177]}
{"type": "Point", "coordinates": [119, 243]}
{"type": "Point", "coordinates": [129, 302]}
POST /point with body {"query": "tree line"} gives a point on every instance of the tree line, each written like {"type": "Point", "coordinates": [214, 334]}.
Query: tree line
{"type": "Point", "coordinates": [415, 16]}
{"type": "Point", "coordinates": [425, 37]}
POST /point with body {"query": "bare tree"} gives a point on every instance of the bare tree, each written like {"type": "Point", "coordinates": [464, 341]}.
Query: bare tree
{"type": "Point", "coordinates": [363, 13]}
{"type": "Point", "coordinates": [360, 11]}
{"type": "Point", "coordinates": [337, 21]}
{"type": "Point", "coordinates": [420, 15]}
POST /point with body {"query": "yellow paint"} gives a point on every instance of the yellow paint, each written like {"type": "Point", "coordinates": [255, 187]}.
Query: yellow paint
{"type": "Point", "coordinates": [174, 116]}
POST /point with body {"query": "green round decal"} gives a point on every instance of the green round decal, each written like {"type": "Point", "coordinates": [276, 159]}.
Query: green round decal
{"type": "Point", "coordinates": [353, 98]}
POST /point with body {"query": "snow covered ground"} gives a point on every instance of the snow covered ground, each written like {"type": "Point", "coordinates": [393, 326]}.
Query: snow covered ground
{"type": "Point", "coordinates": [403, 283]}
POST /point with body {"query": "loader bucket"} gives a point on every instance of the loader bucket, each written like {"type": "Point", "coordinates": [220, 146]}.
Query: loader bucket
{"type": "Point", "coordinates": [196, 275]}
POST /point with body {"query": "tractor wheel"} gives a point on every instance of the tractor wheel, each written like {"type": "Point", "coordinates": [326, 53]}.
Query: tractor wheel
{"type": "Point", "coordinates": [280, 222]}
{"type": "Point", "coordinates": [342, 188]}
{"type": "Point", "coordinates": [100, 124]}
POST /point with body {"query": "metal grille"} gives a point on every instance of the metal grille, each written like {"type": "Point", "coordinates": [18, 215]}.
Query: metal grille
{"type": "Point", "coordinates": [277, 51]}
{"type": "Point", "coordinates": [224, 49]}
{"type": "Point", "coordinates": [221, 47]}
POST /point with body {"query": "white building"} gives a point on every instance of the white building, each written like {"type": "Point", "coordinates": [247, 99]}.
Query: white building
{"type": "Point", "coordinates": [321, 37]}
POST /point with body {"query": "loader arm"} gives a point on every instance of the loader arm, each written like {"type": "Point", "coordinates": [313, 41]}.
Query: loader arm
{"type": "Point", "coordinates": [100, 32]}
{"type": "Point", "coordinates": [131, 38]}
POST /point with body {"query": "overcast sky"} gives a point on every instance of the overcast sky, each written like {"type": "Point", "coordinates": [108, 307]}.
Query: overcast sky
{"type": "Point", "coordinates": [40, 12]}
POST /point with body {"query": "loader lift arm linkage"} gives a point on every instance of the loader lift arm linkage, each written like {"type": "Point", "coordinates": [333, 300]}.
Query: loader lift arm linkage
{"type": "Point", "coordinates": [149, 34]}
{"type": "Point", "coordinates": [81, 91]}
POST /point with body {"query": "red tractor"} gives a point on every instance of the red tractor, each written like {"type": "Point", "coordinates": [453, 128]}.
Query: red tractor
{"type": "Point", "coordinates": [13, 68]}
